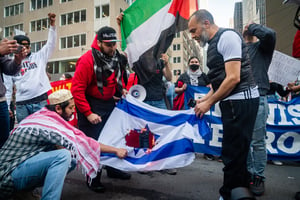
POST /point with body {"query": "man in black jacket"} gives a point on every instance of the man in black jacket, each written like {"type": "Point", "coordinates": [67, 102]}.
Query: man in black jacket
{"type": "Point", "coordinates": [261, 53]}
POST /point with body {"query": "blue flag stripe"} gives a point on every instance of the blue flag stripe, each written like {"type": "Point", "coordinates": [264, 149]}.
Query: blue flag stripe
{"type": "Point", "coordinates": [176, 120]}
{"type": "Point", "coordinates": [165, 151]}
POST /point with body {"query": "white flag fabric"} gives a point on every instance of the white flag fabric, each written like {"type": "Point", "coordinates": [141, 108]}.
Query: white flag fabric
{"type": "Point", "coordinates": [174, 134]}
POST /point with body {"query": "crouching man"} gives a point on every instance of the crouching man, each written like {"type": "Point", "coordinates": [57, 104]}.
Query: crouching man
{"type": "Point", "coordinates": [45, 147]}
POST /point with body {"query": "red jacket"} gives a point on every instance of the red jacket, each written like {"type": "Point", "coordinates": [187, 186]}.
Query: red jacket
{"type": "Point", "coordinates": [84, 82]}
{"type": "Point", "coordinates": [296, 45]}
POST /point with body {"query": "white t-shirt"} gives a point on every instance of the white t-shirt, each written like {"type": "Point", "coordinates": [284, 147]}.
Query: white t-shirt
{"type": "Point", "coordinates": [230, 45]}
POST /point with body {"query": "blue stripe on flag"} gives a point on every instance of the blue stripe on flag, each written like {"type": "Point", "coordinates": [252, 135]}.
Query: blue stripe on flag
{"type": "Point", "coordinates": [166, 151]}
{"type": "Point", "coordinates": [176, 120]}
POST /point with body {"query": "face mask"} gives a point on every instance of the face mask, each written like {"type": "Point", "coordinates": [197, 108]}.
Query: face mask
{"type": "Point", "coordinates": [194, 67]}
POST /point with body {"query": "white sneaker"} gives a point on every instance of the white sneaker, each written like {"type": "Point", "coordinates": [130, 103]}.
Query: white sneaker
{"type": "Point", "coordinates": [277, 162]}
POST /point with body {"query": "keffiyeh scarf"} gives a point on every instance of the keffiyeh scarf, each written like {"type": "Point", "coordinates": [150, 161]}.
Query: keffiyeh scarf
{"type": "Point", "coordinates": [194, 76]}
{"type": "Point", "coordinates": [40, 132]}
{"type": "Point", "coordinates": [104, 66]}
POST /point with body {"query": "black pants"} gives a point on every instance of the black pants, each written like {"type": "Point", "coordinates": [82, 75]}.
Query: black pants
{"type": "Point", "coordinates": [100, 107]}
{"type": "Point", "coordinates": [238, 118]}
{"type": "Point", "coordinates": [103, 109]}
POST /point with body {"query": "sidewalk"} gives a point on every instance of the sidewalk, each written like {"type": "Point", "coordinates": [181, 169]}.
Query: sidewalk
{"type": "Point", "coordinates": [199, 181]}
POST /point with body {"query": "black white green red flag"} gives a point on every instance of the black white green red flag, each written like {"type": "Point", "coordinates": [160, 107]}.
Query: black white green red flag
{"type": "Point", "coordinates": [148, 28]}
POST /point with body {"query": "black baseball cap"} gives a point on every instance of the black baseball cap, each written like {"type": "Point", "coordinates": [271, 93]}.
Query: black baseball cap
{"type": "Point", "coordinates": [107, 34]}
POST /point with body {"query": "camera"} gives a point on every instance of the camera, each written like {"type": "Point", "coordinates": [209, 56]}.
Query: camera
{"type": "Point", "coordinates": [191, 103]}
{"type": "Point", "coordinates": [19, 49]}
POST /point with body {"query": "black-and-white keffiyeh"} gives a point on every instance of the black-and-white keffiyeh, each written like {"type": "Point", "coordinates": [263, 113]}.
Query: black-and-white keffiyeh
{"type": "Point", "coordinates": [194, 76]}
{"type": "Point", "coordinates": [104, 66]}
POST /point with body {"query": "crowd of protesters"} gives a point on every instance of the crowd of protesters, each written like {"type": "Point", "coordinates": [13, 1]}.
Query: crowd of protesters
{"type": "Point", "coordinates": [237, 79]}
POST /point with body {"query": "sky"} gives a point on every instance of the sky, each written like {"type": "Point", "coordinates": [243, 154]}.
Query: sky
{"type": "Point", "coordinates": [222, 10]}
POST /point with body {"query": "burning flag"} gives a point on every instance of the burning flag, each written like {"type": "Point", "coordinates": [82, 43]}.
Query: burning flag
{"type": "Point", "coordinates": [155, 138]}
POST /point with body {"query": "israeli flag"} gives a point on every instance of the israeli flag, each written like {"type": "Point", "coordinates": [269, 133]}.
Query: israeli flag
{"type": "Point", "coordinates": [174, 133]}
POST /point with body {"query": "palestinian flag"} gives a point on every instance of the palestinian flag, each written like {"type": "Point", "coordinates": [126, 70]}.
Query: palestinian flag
{"type": "Point", "coordinates": [148, 28]}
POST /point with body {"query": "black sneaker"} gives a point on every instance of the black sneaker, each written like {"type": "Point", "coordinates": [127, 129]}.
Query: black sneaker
{"type": "Point", "coordinates": [209, 157]}
{"type": "Point", "coordinates": [169, 171]}
{"type": "Point", "coordinates": [115, 173]}
{"type": "Point", "coordinates": [297, 196]}
{"type": "Point", "coordinates": [257, 185]}
{"type": "Point", "coordinates": [95, 184]}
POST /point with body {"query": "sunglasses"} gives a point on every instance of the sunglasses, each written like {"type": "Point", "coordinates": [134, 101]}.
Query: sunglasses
{"type": "Point", "coordinates": [109, 44]}
{"type": "Point", "coordinates": [25, 44]}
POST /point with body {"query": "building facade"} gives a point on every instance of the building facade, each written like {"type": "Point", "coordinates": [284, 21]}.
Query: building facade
{"type": "Point", "coordinates": [238, 17]}
{"type": "Point", "coordinates": [77, 22]}
{"type": "Point", "coordinates": [276, 15]}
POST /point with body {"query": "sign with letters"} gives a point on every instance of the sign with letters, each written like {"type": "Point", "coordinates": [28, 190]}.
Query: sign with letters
{"type": "Point", "coordinates": [283, 69]}
{"type": "Point", "coordinates": [283, 128]}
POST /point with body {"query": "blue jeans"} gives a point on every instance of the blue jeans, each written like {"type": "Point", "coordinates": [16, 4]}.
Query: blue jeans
{"type": "Point", "coordinates": [47, 169]}
{"type": "Point", "coordinates": [27, 109]}
{"type": "Point", "coordinates": [4, 122]}
{"type": "Point", "coordinates": [257, 157]}
{"type": "Point", "coordinates": [158, 103]}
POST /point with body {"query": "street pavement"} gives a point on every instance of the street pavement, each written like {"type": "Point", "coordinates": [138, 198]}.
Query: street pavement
{"type": "Point", "coordinates": [199, 181]}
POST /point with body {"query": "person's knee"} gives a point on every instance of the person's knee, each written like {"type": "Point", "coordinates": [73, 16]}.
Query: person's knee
{"type": "Point", "coordinates": [64, 156]}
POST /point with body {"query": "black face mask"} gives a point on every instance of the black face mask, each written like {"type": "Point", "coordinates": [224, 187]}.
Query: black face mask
{"type": "Point", "coordinates": [194, 67]}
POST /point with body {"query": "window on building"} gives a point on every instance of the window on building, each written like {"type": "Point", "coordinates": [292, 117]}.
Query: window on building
{"type": "Point", "coordinates": [38, 4]}
{"type": "Point", "coordinates": [83, 16]}
{"type": "Point", "coordinates": [74, 17]}
{"type": "Point", "coordinates": [63, 20]}
{"type": "Point", "coordinates": [70, 42]}
{"type": "Point", "coordinates": [177, 60]}
{"type": "Point", "coordinates": [70, 18]}
{"type": "Point", "coordinates": [9, 30]}
{"type": "Point", "coordinates": [63, 43]}
{"type": "Point", "coordinates": [32, 26]}
{"type": "Point", "coordinates": [36, 46]}
{"type": "Point", "coordinates": [13, 10]}
{"type": "Point", "coordinates": [68, 66]}
{"type": "Point", "coordinates": [53, 67]}
{"type": "Point", "coordinates": [105, 10]}
{"type": "Point", "coordinates": [73, 41]}
{"type": "Point", "coordinates": [176, 47]}
{"type": "Point", "coordinates": [45, 3]}
{"type": "Point", "coordinates": [176, 72]}
{"type": "Point", "coordinates": [77, 17]}
{"type": "Point", "coordinates": [6, 11]}
{"type": "Point", "coordinates": [44, 24]}
{"type": "Point", "coordinates": [76, 41]}
{"type": "Point", "coordinates": [102, 11]}
{"type": "Point", "coordinates": [17, 10]}
{"type": "Point", "coordinates": [97, 12]}
{"type": "Point", "coordinates": [39, 25]}
{"type": "Point", "coordinates": [83, 40]}
{"type": "Point", "coordinates": [64, 1]}
{"type": "Point", "coordinates": [174, 60]}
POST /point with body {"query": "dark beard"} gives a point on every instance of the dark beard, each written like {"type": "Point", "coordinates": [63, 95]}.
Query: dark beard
{"type": "Point", "coordinates": [102, 51]}
{"type": "Point", "coordinates": [65, 116]}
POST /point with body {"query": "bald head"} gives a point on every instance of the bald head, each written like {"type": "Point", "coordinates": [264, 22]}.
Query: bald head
{"type": "Point", "coordinates": [202, 15]}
